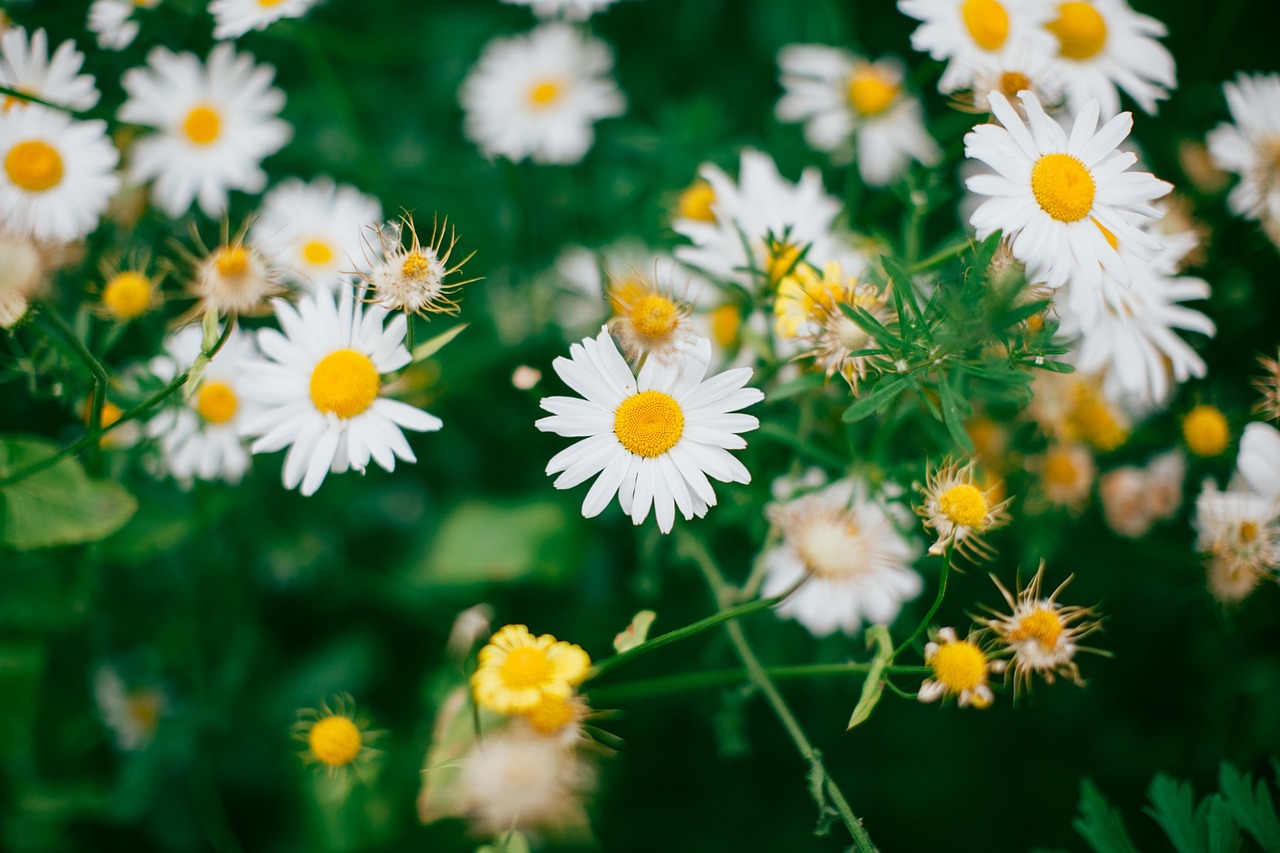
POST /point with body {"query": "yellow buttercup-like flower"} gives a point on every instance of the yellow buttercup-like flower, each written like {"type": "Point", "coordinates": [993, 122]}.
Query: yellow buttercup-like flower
{"type": "Point", "coordinates": [517, 670]}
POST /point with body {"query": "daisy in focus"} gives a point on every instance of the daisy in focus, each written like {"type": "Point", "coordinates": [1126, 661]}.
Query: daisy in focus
{"type": "Point", "coordinates": [1250, 145]}
{"type": "Point", "coordinates": [320, 390]}
{"type": "Point", "coordinates": [959, 511]}
{"type": "Point", "coordinates": [337, 739]}
{"type": "Point", "coordinates": [114, 22]}
{"type": "Point", "coordinates": [312, 230]}
{"type": "Point", "coordinates": [25, 65]}
{"type": "Point", "coordinates": [200, 438]}
{"type": "Point", "coordinates": [1053, 195]}
{"type": "Point", "coordinates": [847, 542]}
{"type": "Point", "coordinates": [960, 669]}
{"type": "Point", "coordinates": [652, 439]}
{"type": "Point", "coordinates": [517, 671]}
{"type": "Point", "coordinates": [854, 110]}
{"type": "Point", "coordinates": [215, 124]}
{"type": "Point", "coordinates": [411, 278]}
{"type": "Point", "coordinates": [536, 96]}
{"type": "Point", "coordinates": [234, 18]}
{"type": "Point", "coordinates": [59, 174]}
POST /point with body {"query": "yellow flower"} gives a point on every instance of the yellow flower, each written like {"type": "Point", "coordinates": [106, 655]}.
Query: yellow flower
{"type": "Point", "coordinates": [960, 669]}
{"type": "Point", "coordinates": [648, 319]}
{"type": "Point", "coordinates": [1206, 431]}
{"type": "Point", "coordinates": [336, 738]}
{"type": "Point", "coordinates": [518, 670]}
{"type": "Point", "coordinates": [959, 511]}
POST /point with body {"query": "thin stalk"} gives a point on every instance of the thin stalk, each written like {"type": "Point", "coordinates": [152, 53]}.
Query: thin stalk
{"type": "Point", "coordinates": [63, 329]}
{"type": "Point", "coordinates": [937, 602]}
{"type": "Point", "coordinates": [654, 687]}
{"type": "Point", "coordinates": [942, 256]}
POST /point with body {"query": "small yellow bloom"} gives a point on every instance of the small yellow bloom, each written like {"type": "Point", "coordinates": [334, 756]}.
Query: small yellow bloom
{"type": "Point", "coordinates": [517, 670]}
{"type": "Point", "coordinates": [1206, 431]}
{"type": "Point", "coordinates": [959, 511]}
{"type": "Point", "coordinates": [648, 319]}
{"type": "Point", "coordinates": [960, 669]}
{"type": "Point", "coordinates": [336, 739]}
{"type": "Point", "coordinates": [128, 294]}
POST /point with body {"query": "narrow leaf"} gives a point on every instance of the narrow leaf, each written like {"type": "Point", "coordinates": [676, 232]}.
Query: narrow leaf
{"type": "Point", "coordinates": [873, 687]}
{"type": "Point", "coordinates": [430, 347]}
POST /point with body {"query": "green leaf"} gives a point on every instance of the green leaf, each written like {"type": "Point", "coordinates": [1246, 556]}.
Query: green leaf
{"type": "Point", "coordinates": [1174, 808]}
{"type": "Point", "coordinates": [430, 347]}
{"type": "Point", "coordinates": [60, 505]}
{"type": "Point", "coordinates": [871, 326]}
{"type": "Point", "coordinates": [901, 285]}
{"type": "Point", "coordinates": [873, 687]}
{"type": "Point", "coordinates": [1099, 825]}
{"type": "Point", "coordinates": [1251, 806]}
{"type": "Point", "coordinates": [877, 399]}
{"type": "Point", "coordinates": [1222, 835]}
{"type": "Point", "coordinates": [1054, 366]}
{"type": "Point", "coordinates": [952, 416]}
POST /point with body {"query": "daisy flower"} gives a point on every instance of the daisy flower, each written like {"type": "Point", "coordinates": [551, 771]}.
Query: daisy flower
{"type": "Point", "coordinates": [337, 739]}
{"type": "Point", "coordinates": [1134, 499]}
{"type": "Point", "coordinates": [112, 21]}
{"type": "Point", "coordinates": [960, 669]}
{"type": "Point", "coordinates": [1250, 146]}
{"type": "Point", "coordinates": [558, 718]}
{"type": "Point", "coordinates": [848, 543]}
{"type": "Point", "coordinates": [854, 110]}
{"type": "Point", "coordinates": [22, 274]}
{"type": "Point", "coordinates": [1041, 635]}
{"type": "Point", "coordinates": [569, 10]}
{"type": "Point", "coordinates": [536, 96]}
{"type": "Point", "coordinates": [216, 123]}
{"type": "Point", "coordinates": [958, 511]}
{"type": "Point", "coordinates": [1053, 194]}
{"type": "Point", "coordinates": [1010, 71]}
{"type": "Point", "coordinates": [129, 291]}
{"type": "Point", "coordinates": [517, 780]}
{"type": "Point", "coordinates": [649, 320]}
{"type": "Point", "coordinates": [321, 390]}
{"type": "Point", "coordinates": [312, 230]}
{"type": "Point", "coordinates": [1239, 533]}
{"type": "Point", "coordinates": [412, 278]}
{"type": "Point", "coordinates": [1104, 44]}
{"type": "Point", "coordinates": [25, 65]}
{"type": "Point", "coordinates": [968, 34]}
{"type": "Point", "coordinates": [200, 438]}
{"type": "Point", "coordinates": [1258, 462]}
{"type": "Point", "coordinates": [1067, 472]}
{"type": "Point", "coordinates": [583, 279]}
{"type": "Point", "coordinates": [652, 439]}
{"type": "Point", "coordinates": [234, 18]}
{"type": "Point", "coordinates": [233, 278]}
{"type": "Point", "coordinates": [1205, 431]}
{"type": "Point", "coordinates": [517, 670]}
{"type": "Point", "coordinates": [59, 174]}
{"type": "Point", "coordinates": [132, 714]}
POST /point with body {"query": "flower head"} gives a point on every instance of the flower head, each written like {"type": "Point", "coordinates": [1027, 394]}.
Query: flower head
{"type": "Point", "coordinates": [649, 320]}
{"type": "Point", "coordinates": [234, 18]}
{"type": "Point", "coordinates": [520, 780]}
{"type": "Point", "coordinates": [1250, 146]}
{"type": "Point", "coordinates": [412, 278]}
{"type": "Point", "coordinates": [1067, 472]}
{"type": "Point", "coordinates": [517, 670]}
{"type": "Point", "coordinates": [960, 669]}
{"type": "Point", "coordinates": [337, 739]}
{"type": "Point", "coordinates": [959, 511]}
{"type": "Point", "coordinates": [25, 66]}
{"type": "Point", "coordinates": [113, 22]}
{"type": "Point", "coordinates": [814, 309]}
{"type": "Point", "coordinates": [1239, 533]}
{"type": "Point", "coordinates": [232, 278]}
{"type": "Point", "coordinates": [23, 271]}
{"type": "Point", "coordinates": [1206, 431]}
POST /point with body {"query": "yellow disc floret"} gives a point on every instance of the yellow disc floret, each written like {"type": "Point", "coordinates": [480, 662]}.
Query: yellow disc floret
{"type": "Point", "coordinates": [1063, 187]}
{"type": "Point", "coordinates": [551, 715]}
{"type": "Point", "coordinates": [345, 382]}
{"type": "Point", "coordinates": [649, 423]}
{"type": "Point", "coordinates": [987, 22]}
{"type": "Point", "coordinates": [1041, 625]}
{"type": "Point", "coordinates": [545, 93]}
{"type": "Point", "coordinates": [127, 295]}
{"type": "Point", "coordinates": [1080, 29]}
{"type": "Point", "coordinates": [870, 93]}
{"type": "Point", "coordinates": [317, 252]}
{"type": "Point", "coordinates": [202, 125]}
{"type": "Point", "coordinates": [1206, 430]}
{"type": "Point", "coordinates": [653, 315]}
{"type": "Point", "coordinates": [959, 666]}
{"type": "Point", "coordinates": [34, 165]}
{"type": "Point", "coordinates": [696, 201]}
{"type": "Point", "coordinates": [415, 265]}
{"type": "Point", "coordinates": [217, 402]}
{"type": "Point", "coordinates": [964, 505]}
{"type": "Point", "coordinates": [232, 261]}
{"type": "Point", "coordinates": [334, 741]}
{"type": "Point", "coordinates": [518, 671]}
{"type": "Point", "coordinates": [1013, 82]}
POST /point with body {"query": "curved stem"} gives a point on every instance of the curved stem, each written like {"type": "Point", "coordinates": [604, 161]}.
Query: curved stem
{"type": "Point", "coordinates": [62, 328]}
{"type": "Point", "coordinates": [684, 682]}
{"type": "Point", "coordinates": [937, 602]}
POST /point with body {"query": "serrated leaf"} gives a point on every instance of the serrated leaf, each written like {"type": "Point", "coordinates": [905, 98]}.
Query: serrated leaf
{"type": "Point", "coordinates": [1174, 808]}
{"type": "Point", "coordinates": [60, 505]}
{"type": "Point", "coordinates": [1099, 825]}
{"type": "Point", "coordinates": [1222, 834]}
{"type": "Point", "coordinates": [430, 347]}
{"type": "Point", "coordinates": [877, 637]}
{"type": "Point", "coordinates": [1251, 805]}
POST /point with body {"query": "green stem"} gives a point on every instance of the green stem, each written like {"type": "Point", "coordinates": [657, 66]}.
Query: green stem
{"type": "Point", "coordinates": [63, 329]}
{"type": "Point", "coordinates": [36, 99]}
{"type": "Point", "coordinates": [952, 251]}
{"type": "Point", "coordinates": [684, 682]}
{"type": "Point", "coordinates": [937, 602]}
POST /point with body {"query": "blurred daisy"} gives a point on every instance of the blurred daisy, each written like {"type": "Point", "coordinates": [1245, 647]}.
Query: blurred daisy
{"type": "Point", "coordinates": [337, 738]}
{"type": "Point", "coordinates": [25, 65]}
{"type": "Point", "coordinates": [958, 511]}
{"type": "Point", "coordinates": [411, 278]}
{"type": "Point", "coordinates": [1016, 69]}
{"type": "Point", "coordinates": [516, 670]}
{"type": "Point", "coordinates": [133, 715]}
{"type": "Point", "coordinates": [570, 10]}
{"type": "Point", "coordinates": [1239, 533]}
{"type": "Point", "coordinates": [854, 110]}
{"type": "Point", "coordinates": [312, 230]}
{"type": "Point", "coordinates": [848, 543]}
{"type": "Point", "coordinates": [537, 95]}
{"type": "Point", "coordinates": [234, 18]}
{"type": "Point", "coordinates": [1104, 44]}
{"type": "Point", "coordinates": [1066, 474]}
{"type": "Point", "coordinates": [59, 174]}
{"type": "Point", "coordinates": [1134, 499]}
{"type": "Point", "coordinates": [584, 278]}
{"type": "Point", "coordinates": [649, 320]}
{"type": "Point", "coordinates": [1052, 195]}
{"type": "Point", "coordinates": [558, 718]}
{"type": "Point", "coordinates": [216, 123]}
{"type": "Point", "coordinates": [233, 278]}
{"type": "Point", "coordinates": [653, 439]}
{"type": "Point", "coordinates": [113, 22]}
{"type": "Point", "coordinates": [516, 780]}
{"type": "Point", "coordinates": [22, 273]}
{"type": "Point", "coordinates": [320, 390]}
{"type": "Point", "coordinates": [1250, 147]}
{"type": "Point", "coordinates": [968, 34]}
{"type": "Point", "coordinates": [1205, 431]}
{"type": "Point", "coordinates": [960, 669]}
{"type": "Point", "coordinates": [1258, 462]}
{"type": "Point", "coordinates": [200, 438]}
{"type": "Point", "coordinates": [129, 291]}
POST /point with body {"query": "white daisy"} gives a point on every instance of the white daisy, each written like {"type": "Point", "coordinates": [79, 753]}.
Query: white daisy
{"type": "Point", "coordinates": [537, 95]}
{"type": "Point", "coordinates": [1051, 192]}
{"type": "Point", "coordinates": [25, 65]}
{"type": "Point", "coordinates": [854, 109]}
{"type": "Point", "coordinates": [1258, 463]}
{"type": "Point", "coordinates": [216, 123]}
{"type": "Point", "coordinates": [517, 779]}
{"type": "Point", "coordinates": [653, 439]}
{"type": "Point", "coordinates": [1239, 533]}
{"type": "Point", "coordinates": [22, 273]}
{"type": "Point", "coordinates": [1104, 44]}
{"type": "Point", "coordinates": [850, 544]}
{"type": "Point", "coordinates": [59, 174]}
{"type": "Point", "coordinates": [410, 275]}
{"type": "Point", "coordinates": [1134, 499]}
{"type": "Point", "coordinates": [112, 21]}
{"type": "Point", "coordinates": [1251, 146]}
{"type": "Point", "coordinates": [234, 18]}
{"type": "Point", "coordinates": [201, 437]}
{"type": "Point", "coordinates": [321, 385]}
{"type": "Point", "coordinates": [1012, 70]}
{"type": "Point", "coordinates": [312, 230]}
{"type": "Point", "coordinates": [570, 10]}
{"type": "Point", "coordinates": [969, 34]}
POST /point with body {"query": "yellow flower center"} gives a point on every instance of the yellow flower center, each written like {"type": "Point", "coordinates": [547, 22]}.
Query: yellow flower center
{"type": "Point", "coordinates": [869, 93]}
{"type": "Point", "coordinates": [1058, 468]}
{"type": "Point", "coordinates": [144, 709]}
{"type": "Point", "coordinates": [551, 715]}
{"type": "Point", "coordinates": [1248, 531]}
{"type": "Point", "coordinates": [964, 505]}
{"type": "Point", "coordinates": [649, 423]}
{"type": "Point", "coordinates": [1206, 430]}
{"type": "Point", "coordinates": [625, 292]}
{"type": "Point", "coordinates": [726, 325]}
{"type": "Point", "coordinates": [1041, 625]}
{"type": "Point", "coordinates": [202, 125]}
{"type": "Point", "coordinates": [317, 253]}
{"type": "Point", "coordinates": [1063, 187]}
{"type": "Point", "coordinates": [1081, 31]}
{"type": "Point", "coordinates": [1091, 419]}
{"type": "Point", "coordinates": [987, 22]}
{"type": "Point", "coordinates": [415, 265]}
{"type": "Point", "coordinates": [34, 166]}
{"type": "Point", "coordinates": [654, 316]}
{"type": "Point", "coordinates": [696, 200]}
{"type": "Point", "coordinates": [265, 4]}
{"type": "Point", "coordinates": [232, 261]}
{"type": "Point", "coordinates": [216, 402]}
{"type": "Point", "coordinates": [345, 383]}
{"type": "Point", "coordinates": [1013, 82]}
{"type": "Point", "coordinates": [781, 259]}
{"type": "Point", "coordinates": [525, 667]}
{"type": "Point", "coordinates": [127, 295]}
{"type": "Point", "coordinates": [959, 666]}
{"type": "Point", "coordinates": [545, 93]}
{"type": "Point", "coordinates": [334, 741]}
